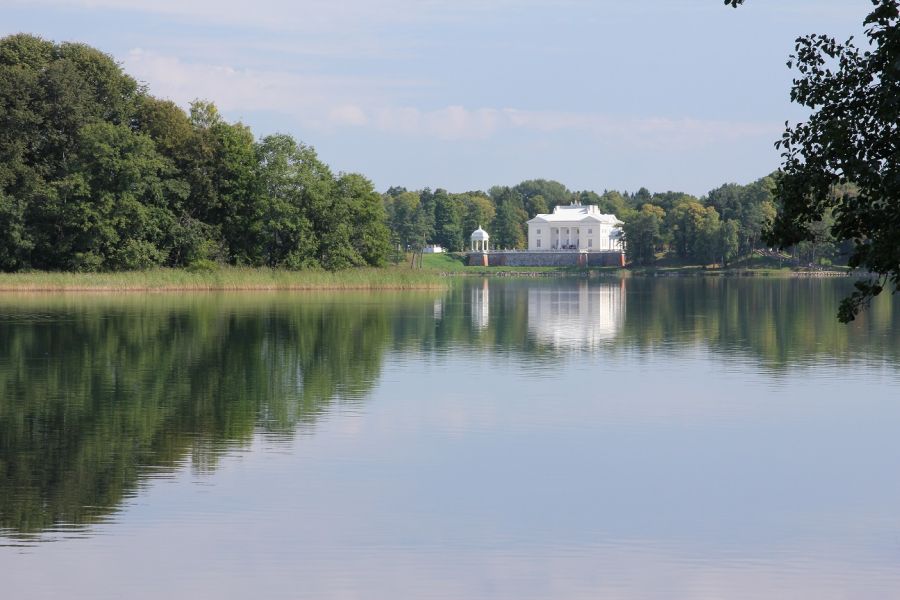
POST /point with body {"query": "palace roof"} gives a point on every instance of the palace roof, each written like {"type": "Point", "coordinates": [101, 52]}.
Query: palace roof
{"type": "Point", "coordinates": [575, 213]}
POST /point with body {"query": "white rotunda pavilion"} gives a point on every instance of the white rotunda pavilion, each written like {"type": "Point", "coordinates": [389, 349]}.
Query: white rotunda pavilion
{"type": "Point", "coordinates": [480, 240]}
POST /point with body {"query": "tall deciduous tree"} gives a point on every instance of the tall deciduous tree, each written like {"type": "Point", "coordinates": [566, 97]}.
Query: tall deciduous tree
{"type": "Point", "coordinates": [553, 192]}
{"type": "Point", "coordinates": [480, 212]}
{"type": "Point", "coordinates": [448, 220]}
{"type": "Point", "coordinates": [643, 234]}
{"type": "Point", "coordinates": [290, 188]}
{"type": "Point", "coordinates": [369, 236]}
{"type": "Point", "coordinates": [508, 228]}
{"type": "Point", "coordinates": [751, 206]}
{"type": "Point", "coordinates": [851, 136]}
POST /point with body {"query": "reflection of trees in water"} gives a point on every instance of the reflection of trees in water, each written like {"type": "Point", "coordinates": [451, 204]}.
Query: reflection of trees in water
{"type": "Point", "coordinates": [95, 390]}
{"type": "Point", "coordinates": [91, 392]}
{"type": "Point", "coordinates": [778, 322]}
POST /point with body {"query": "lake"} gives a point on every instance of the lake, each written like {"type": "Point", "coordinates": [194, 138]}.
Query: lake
{"type": "Point", "coordinates": [551, 438]}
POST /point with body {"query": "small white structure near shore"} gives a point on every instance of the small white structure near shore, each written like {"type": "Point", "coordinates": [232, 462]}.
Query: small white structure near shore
{"type": "Point", "coordinates": [480, 240]}
{"type": "Point", "coordinates": [575, 227]}
{"type": "Point", "coordinates": [432, 249]}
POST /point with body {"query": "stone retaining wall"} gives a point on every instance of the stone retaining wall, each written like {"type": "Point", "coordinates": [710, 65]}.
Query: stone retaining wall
{"type": "Point", "coordinates": [547, 259]}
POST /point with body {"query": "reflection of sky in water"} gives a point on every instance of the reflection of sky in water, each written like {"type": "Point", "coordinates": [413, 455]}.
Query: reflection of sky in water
{"type": "Point", "coordinates": [605, 474]}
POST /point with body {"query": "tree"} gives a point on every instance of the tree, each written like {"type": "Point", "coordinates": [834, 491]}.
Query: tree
{"type": "Point", "coordinates": [612, 202]}
{"type": "Point", "coordinates": [536, 205]}
{"type": "Point", "coordinates": [508, 228]}
{"type": "Point", "coordinates": [553, 192]}
{"type": "Point", "coordinates": [290, 186]}
{"type": "Point", "coordinates": [729, 241]}
{"type": "Point", "coordinates": [369, 235]}
{"type": "Point", "coordinates": [685, 222]}
{"type": "Point", "coordinates": [641, 197]}
{"type": "Point", "coordinates": [96, 174]}
{"type": "Point", "coordinates": [480, 212]}
{"type": "Point", "coordinates": [407, 220]}
{"type": "Point", "coordinates": [751, 206]}
{"type": "Point", "coordinates": [110, 211]}
{"type": "Point", "coordinates": [708, 246]}
{"type": "Point", "coordinates": [643, 234]}
{"type": "Point", "coordinates": [49, 93]}
{"type": "Point", "coordinates": [850, 137]}
{"type": "Point", "coordinates": [448, 220]}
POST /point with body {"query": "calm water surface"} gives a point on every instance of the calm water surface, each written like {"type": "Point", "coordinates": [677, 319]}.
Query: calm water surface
{"type": "Point", "coordinates": [696, 438]}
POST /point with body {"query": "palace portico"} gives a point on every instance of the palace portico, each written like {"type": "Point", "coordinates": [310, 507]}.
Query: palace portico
{"type": "Point", "coordinates": [575, 227]}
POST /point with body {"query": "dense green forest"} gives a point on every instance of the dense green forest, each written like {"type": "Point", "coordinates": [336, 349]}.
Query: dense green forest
{"type": "Point", "coordinates": [96, 174]}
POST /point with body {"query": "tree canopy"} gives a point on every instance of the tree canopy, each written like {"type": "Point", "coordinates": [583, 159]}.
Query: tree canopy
{"type": "Point", "coordinates": [851, 138]}
{"type": "Point", "coordinates": [97, 174]}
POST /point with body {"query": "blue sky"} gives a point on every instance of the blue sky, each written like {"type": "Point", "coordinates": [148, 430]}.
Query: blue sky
{"type": "Point", "coordinates": [598, 94]}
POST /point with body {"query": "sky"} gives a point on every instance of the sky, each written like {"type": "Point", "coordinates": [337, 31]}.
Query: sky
{"type": "Point", "coordinates": [465, 94]}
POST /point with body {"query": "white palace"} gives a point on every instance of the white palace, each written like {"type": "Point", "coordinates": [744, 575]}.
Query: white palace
{"type": "Point", "coordinates": [575, 227]}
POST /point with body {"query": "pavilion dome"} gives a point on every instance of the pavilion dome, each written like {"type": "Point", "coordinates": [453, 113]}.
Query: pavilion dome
{"type": "Point", "coordinates": [480, 235]}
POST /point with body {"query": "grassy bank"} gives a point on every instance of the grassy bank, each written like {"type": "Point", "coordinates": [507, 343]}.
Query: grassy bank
{"type": "Point", "coordinates": [454, 264]}
{"type": "Point", "coordinates": [224, 278]}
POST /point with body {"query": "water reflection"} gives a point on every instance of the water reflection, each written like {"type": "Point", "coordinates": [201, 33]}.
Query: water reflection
{"type": "Point", "coordinates": [778, 323]}
{"type": "Point", "coordinates": [94, 391]}
{"type": "Point", "coordinates": [578, 315]}
{"type": "Point", "coordinates": [100, 393]}
{"type": "Point", "coordinates": [481, 305]}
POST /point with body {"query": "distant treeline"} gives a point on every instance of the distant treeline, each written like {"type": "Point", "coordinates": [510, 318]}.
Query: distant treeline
{"type": "Point", "coordinates": [96, 174]}
{"type": "Point", "coordinates": [727, 223]}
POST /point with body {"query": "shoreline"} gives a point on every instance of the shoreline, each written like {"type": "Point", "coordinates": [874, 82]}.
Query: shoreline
{"type": "Point", "coordinates": [628, 273]}
{"type": "Point", "coordinates": [235, 279]}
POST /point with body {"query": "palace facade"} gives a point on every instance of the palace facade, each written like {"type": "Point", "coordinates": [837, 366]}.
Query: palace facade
{"type": "Point", "coordinates": [575, 227]}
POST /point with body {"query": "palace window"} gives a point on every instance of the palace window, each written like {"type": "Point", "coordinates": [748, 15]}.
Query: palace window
{"type": "Point", "coordinates": [539, 243]}
{"type": "Point", "coordinates": [590, 231]}
{"type": "Point", "coordinates": [590, 243]}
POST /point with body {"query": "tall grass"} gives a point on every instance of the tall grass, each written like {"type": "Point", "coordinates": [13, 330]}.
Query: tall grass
{"type": "Point", "coordinates": [224, 278]}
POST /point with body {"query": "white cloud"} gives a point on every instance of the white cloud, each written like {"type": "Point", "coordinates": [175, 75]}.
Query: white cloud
{"type": "Point", "coordinates": [457, 122]}
{"type": "Point", "coordinates": [347, 114]}
{"type": "Point", "coordinates": [309, 98]}
{"type": "Point", "coordinates": [327, 102]}
{"type": "Point", "coordinates": [449, 123]}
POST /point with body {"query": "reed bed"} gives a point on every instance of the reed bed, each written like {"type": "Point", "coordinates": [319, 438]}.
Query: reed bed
{"type": "Point", "coordinates": [224, 279]}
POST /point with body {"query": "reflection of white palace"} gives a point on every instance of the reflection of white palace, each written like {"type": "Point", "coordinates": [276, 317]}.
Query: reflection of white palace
{"type": "Point", "coordinates": [576, 315]}
{"type": "Point", "coordinates": [481, 305]}
{"type": "Point", "coordinates": [583, 315]}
